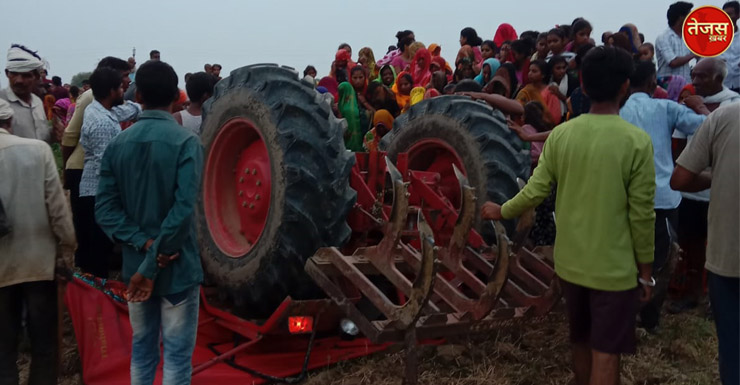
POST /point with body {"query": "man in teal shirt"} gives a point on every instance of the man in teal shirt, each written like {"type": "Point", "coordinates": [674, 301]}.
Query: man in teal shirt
{"type": "Point", "coordinates": [149, 181]}
{"type": "Point", "coordinates": [605, 176]}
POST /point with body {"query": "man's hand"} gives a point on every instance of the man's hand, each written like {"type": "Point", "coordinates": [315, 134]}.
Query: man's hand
{"type": "Point", "coordinates": [646, 293]}
{"type": "Point", "coordinates": [491, 211]}
{"type": "Point", "coordinates": [139, 288]}
{"type": "Point", "coordinates": [163, 259]}
{"type": "Point", "coordinates": [472, 95]}
{"type": "Point", "coordinates": [62, 273]}
{"type": "Point", "coordinates": [696, 103]}
{"type": "Point", "coordinates": [148, 244]}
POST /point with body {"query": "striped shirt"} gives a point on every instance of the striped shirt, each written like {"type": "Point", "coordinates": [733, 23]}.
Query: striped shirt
{"type": "Point", "coordinates": [99, 128]}
{"type": "Point", "coordinates": [669, 46]}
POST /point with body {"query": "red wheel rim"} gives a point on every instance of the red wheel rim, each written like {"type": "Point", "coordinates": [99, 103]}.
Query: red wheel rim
{"type": "Point", "coordinates": [435, 155]}
{"type": "Point", "coordinates": [237, 187]}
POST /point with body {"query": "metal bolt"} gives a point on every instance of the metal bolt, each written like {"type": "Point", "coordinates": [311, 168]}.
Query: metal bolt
{"type": "Point", "coordinates": [241, 193]}
{"type": "Point", "coordinates": [254, 172]}
{"type": "Point", "coordinates": [244, 204]}
{"type": "Point", "coordinates": [246, 170]}
{"type": "Point", "coordinates": [241, 180]}
{"type": "Point", "coordinates": [257, 197]}
{"type": "Point", "coordinates": [259, 183]}
{"type": "Point", "coordinates": [251, 205]}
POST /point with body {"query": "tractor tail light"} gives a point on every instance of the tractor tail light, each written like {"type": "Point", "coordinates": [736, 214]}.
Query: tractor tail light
{"type": "Point", "coordinates": [300, 325]}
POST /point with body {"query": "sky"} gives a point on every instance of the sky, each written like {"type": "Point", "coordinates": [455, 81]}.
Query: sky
{"type": "Point", "coordinates": [73, 35]}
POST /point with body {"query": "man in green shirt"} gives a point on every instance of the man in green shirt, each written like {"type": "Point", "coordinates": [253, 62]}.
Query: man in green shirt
{"type": "Point", "coordinates": [149, 181]}
{"type": "Point", "coordinates": [605, 176]}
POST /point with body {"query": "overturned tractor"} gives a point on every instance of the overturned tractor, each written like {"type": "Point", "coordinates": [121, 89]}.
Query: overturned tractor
{"type": "Point", "coordinates": [389, 243]}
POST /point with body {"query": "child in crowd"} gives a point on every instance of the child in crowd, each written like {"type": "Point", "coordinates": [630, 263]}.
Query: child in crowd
{"type": "Point", "coordinates": [490, 66]}
{"type": "Point", "coordinates": [488, 50]}
{"type": "Point", "coordinates": [199, 88]}
{"type": "Point", "coordinates": [539, 75]}
{"type": "Point", "coordinates": [581, 35]}
{"type": "Point", "coordinates": [560, 89]}
{"type": "Point", "coordinates": [647, 52]}
{"type": "Point", "coordinates": [382, 124]}
{"type": "Point", "coordinates": [556, 41]}
{"type": "Point", "coordinates": [387, 75]}
{"type": "Point", "coordinates": [541, 48]}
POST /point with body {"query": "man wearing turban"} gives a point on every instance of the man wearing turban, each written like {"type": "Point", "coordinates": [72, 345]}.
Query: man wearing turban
{"type": "Point", "coordinates": [22, 70]}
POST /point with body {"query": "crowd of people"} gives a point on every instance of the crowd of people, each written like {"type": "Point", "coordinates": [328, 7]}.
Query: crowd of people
{"type": "Point", "coordinates": [625, 138]}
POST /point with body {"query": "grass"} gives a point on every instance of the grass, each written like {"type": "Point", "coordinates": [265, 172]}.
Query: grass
{"type": "Point", "coordinates": [684, 352]}
{"type": "Point", "coordinates": [533, 353]}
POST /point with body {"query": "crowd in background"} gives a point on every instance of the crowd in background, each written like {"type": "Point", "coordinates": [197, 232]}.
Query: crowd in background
{"type": "Point", "coordinates": [538, 80]}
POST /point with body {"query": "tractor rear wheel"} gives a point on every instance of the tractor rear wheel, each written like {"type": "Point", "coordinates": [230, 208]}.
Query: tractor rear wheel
{"type": "Point", "coordinates": [442, 131]}
{"type": "Point", "coordinates": [275, 186]}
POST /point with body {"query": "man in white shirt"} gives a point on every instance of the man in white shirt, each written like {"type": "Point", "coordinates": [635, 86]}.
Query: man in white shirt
{"type": "Point", "coordinates": [732, 55]}
{"type": "Point", "coordinates": [40, 222]}
{"type": "Point", "coordinates": [22, 70]}
{"type": "Point", "coordinates": [707, 78]}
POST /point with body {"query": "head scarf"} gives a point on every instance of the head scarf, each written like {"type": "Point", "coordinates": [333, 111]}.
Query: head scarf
{"type": "Point", "coordinates": [417, 95]}
{"type": "Point", "coordinates": [372, 68]}
{"type": "Point", "coordinates": [421, 73]}
{"type": "Point", "coordinates": [431, 93]}
{"type": "Point", "coordinates": [402, 100]}
{"type": "Point", "coordinates": [379, 79]}
{"type": "Point", "coordinates": [505, 32]}
{"type": "Point", "coordinates": [494, 64]}
{"type": "Point", "coordinates": [383, 116]}
{"type": "Point", "coordinates": [5, 111]}
{"type": "Point", "coordinates": [183, 98]}
{"type": "Point", "coordinates": [22, 59]}
{"type": "Point", "coordinates": [690, 88]}
{"type": "Point", "coordinates": [350, 111]}
{"type": "Point", "coordinates": [634, 36]}
{"type": "Point", "coordinates": [331, 86]}
{"type": "Point", "coordinates": [342, 55]}
{"type": "Point", "coordinates": [465, 51]}
{"type": "Point", "coordinates": [433, 48]}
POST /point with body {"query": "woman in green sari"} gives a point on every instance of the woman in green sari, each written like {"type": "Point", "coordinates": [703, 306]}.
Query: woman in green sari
{"type": "Point", "coordinates": [355, 108]}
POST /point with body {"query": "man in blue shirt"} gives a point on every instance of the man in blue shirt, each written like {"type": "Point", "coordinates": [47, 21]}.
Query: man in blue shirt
{"type": "Point", "coordinates": [659, 118]}
{"type": "Point", "coordinates": [149, 181]}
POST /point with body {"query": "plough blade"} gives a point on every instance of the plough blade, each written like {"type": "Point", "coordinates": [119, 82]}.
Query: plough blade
{"type": "Point", "coordinates": [442, 291]}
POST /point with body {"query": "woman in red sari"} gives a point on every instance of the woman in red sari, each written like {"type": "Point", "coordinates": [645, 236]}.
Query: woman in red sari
{"type": "Point", "coordinates": [420, 68]}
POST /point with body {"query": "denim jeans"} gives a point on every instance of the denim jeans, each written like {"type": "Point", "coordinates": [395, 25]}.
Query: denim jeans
{"type": "Point", "coordinates": [724, 293]}
{"type": "Point", "coordinates": [178, 324]}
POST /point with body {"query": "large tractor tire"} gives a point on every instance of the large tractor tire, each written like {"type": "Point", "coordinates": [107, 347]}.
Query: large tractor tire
{"type": "Point", "coordinates": [275, 186]}
{"type": "Point", "coordinates": [442, 131]}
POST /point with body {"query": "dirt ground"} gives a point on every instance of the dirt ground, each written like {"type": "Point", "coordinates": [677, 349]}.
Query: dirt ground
{"type": "Point", "coordinates": [684, 352]}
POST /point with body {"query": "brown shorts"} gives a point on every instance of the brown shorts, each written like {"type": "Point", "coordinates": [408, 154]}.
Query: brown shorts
{"type": "Point", "coordinates": [606, 320]}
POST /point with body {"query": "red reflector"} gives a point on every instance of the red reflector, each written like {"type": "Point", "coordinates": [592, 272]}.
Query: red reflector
{"type": "Point", "coordinates": [300, 325]}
